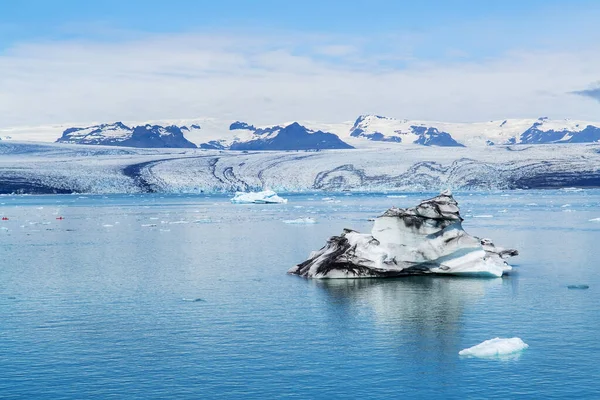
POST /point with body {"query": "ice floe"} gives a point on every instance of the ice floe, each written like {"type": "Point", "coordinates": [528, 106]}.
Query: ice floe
{"type": "Point", "coordinates": [426, 239]}
{"type": "Point", "coordinates": [495, 347]}
{"type": "Point", "coordinates": [299, 221]}
{"type": "Point", "coordinates": [264, 197]}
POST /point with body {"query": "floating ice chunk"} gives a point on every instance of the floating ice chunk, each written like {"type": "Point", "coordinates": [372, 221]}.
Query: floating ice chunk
{"type": "Point", "coordinates": [595, 220]}
{"type": "Point", "coordinates": [483, 216]}
{"type": "Point", "coordinates": [298, 221]}
{"type": "Point", "coordinates": [578, 287]}
{"type": "Point", "coordinates": [566, 205]}
{"type": "Point", "coordinates": [495, 347]}
{"type": "Point", "coordinates": [107, 225]}
{"type": "Point", "coordinates": [426, 239]}
{"type": "Point", "coordinates": [265, 197]}
{"type": "Point", "coordinates": [396, 196]}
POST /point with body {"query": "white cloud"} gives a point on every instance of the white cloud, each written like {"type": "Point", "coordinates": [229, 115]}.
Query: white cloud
{"type": "Point", "coordinates": [265, 80]}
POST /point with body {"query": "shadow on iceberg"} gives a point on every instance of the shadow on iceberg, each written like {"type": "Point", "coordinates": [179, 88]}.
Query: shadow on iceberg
{"type": "Point", "coordinates": [426, 239]}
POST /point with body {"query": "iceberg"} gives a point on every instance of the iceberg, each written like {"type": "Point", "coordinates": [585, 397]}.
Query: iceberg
{"type": "Point", "coordinates": [426, 239]}
{"type": "Point", "coordinates": [264, 197]}
{"type": "Point", "coordinates": [495, 347]}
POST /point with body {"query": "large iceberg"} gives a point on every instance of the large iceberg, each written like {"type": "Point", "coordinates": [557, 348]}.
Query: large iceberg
{"type": "Point", "coordinates": [426, 239]}
{"type": "Point", "coordinates": [495, 347]}
{"type": "Point", "coordinates": [264, 197]}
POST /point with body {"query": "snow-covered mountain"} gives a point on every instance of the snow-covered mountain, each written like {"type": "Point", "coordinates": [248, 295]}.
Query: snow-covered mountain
{"type": "Point", "coordinates": [383, 129]}
{"type": "Point", "coordinates": [510, 131]}
{"type": "Point", "coordinates": [119, 134]}
{"type": "Point", "coordinates": [291, 137]}
{"type": "Point", "coordinates": [367, 131]}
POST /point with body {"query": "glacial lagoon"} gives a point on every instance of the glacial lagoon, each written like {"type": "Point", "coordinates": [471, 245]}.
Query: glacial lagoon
{"type": "Point", "coordinates": [173, 296]}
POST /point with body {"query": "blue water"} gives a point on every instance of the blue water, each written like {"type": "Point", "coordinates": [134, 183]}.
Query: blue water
{"type": "Point", "coordinates": [89, 310]}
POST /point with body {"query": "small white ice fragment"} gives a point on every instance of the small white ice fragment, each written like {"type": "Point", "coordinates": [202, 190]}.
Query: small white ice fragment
{"type": "Point", "coordinates": [495, 347]}
{"type": "Point", "coordinates": [396, 196]}
{"type": "Point", "coordinates": [595, 220]}
{"type": "Point", "coordinates": [483, 216]}
{"type": "Point", "coordinates": [297, 221]}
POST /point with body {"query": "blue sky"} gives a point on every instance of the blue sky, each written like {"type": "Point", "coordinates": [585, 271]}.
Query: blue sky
{"type": "Point", "coordinates": [367, 56]}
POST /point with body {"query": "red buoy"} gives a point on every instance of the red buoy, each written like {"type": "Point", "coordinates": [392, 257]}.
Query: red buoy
{"type": "Point", "coordinates": [4, 218]}
{"type": "Point", "coordinates": [59, 218]}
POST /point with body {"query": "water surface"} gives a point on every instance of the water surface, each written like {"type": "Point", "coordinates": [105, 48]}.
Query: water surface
{"type": "Point", "coordinates": [101, 303]}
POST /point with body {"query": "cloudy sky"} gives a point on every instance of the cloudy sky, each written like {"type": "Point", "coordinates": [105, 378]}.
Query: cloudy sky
{"type": "Point", "coordinates": [268, 61]}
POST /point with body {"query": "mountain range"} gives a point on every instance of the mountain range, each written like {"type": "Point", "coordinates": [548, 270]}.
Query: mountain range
{"type": "Point", "coordinates": [365, 132]}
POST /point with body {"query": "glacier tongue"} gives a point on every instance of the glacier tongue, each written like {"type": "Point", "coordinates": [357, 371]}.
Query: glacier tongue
{"type": "Point", "coordinates": [426, 239]}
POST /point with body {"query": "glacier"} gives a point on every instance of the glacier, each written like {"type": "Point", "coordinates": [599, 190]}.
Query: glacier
{"type": "Point", "coordinates": [496, 347]}
{"type": "Point", "coordinates": [426, 239]}
{"type": "Point", "coordinates": [69, 168]}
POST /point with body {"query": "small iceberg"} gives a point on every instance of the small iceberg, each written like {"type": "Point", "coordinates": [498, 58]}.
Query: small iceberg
{"type": "Point", "coordinates": [594, 220]}
{"type": "Point", "coordinates": [194, 300]}
{"type": "Point", "coordinates": [299, 221]}
{"type": "Point", "coordinates": [580, 287]}
{"type": "Point", "coordinates": [495, 347]}
{"type": "Point", "coordinates": [264, 197]}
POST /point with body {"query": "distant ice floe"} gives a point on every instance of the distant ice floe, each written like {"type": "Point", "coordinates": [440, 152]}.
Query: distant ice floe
{"type": "Point", "coordinates": [264, 197]}
{"type": "Point", "coordinates": [594, 220]}
{"type": "Point", "coordinates": [426, 239]}
{"type": "Point", "coordinates": [299, 221]}
{"type": "Point", "coordinates": [396, 196]}
{"type": "Point", "coordinates": [495, 348]}
{"type": "Point", "coordinates": [571, 189]}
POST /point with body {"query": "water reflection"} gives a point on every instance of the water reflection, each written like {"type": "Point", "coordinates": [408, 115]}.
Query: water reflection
{"type": "Point", "coordinates": [424, 311]}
